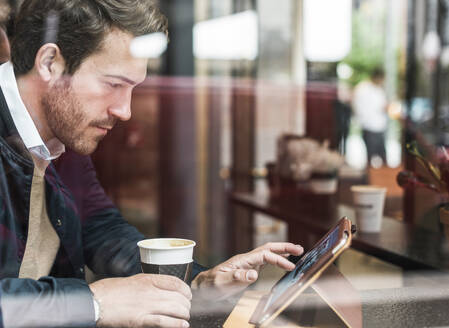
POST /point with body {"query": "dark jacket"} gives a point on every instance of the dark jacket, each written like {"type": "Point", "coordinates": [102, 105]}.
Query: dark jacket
{"type": "Point", "coordinates": [91, 230]}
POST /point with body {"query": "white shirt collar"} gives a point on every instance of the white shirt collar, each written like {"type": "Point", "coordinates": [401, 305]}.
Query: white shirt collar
{"type": "Point", "coordinates": [22, 119]}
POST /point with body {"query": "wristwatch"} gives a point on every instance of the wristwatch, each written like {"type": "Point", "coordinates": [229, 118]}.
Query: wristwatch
{"type": "Point", "coordinates": [97, 310]}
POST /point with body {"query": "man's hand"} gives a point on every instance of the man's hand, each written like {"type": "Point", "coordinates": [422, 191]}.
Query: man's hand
{"type": "Point", "coordinates": [144, 300]}
{"type": "Point", "coordinates": [240, 271]}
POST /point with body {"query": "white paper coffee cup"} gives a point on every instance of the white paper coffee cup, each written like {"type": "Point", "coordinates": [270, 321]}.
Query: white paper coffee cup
{"type": "Point", "coordinates": [168, 256]}
{"type": "Point", "coordinates": [369, 204]}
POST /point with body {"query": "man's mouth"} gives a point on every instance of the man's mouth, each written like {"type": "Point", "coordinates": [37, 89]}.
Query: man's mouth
{"type": "Point", "coordinates": [104, 129]}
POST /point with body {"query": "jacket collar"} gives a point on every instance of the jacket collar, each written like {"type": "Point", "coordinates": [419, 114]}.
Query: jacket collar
{"type": "Point", "coordinates": [22, 119]}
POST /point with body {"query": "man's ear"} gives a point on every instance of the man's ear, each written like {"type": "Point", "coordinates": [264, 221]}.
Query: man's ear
{"type": "Point", "coordinates": [4, 47]}
{"type": "Point", "coordinates": [49, 63]}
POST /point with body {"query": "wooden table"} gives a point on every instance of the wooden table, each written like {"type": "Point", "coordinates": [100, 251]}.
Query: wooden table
{"type": "Point", "coordinates": [407, 246]}
{"type": "Point", "coordinates": [392, 307]}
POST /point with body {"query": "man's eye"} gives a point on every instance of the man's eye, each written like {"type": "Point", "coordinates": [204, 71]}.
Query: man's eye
{"type": "Point", "coordinates": [115, 85]}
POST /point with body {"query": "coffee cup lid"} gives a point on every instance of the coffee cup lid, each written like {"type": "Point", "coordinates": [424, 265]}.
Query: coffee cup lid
{"type": "Point", "coordinates": [166, 243]}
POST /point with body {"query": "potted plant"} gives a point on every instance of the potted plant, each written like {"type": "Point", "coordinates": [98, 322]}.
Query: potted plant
{"type": "Point", "coordinates": [307, 161]}
{"type": "Point", "coordinates": [324, 177]}
{"type": "Point", "coordinates": [438, 171]}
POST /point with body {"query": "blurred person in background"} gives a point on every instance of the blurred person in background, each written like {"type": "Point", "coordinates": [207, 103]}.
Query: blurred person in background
{"type": "Point", "coordinates": [370, 108]}
{"type": "Point", "coordinates": [343, 113]}
{"type": "Point", "coordinates": [70, 79]}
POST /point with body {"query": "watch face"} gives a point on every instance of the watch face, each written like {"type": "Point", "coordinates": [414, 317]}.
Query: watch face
{"type": "Point", "coordinates": [97, 310]}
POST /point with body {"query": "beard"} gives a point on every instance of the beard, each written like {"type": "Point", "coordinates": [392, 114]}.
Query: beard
{"type": "Point", "coordinates": [68, 119]}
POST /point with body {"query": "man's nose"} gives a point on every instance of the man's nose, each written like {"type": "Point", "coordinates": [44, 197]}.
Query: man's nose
{"type": "Point", "coordinates": [122, 109]}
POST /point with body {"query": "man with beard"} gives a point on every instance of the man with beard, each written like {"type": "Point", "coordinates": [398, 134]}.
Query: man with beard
{"type": "Point", "coordinates": [66, 85]}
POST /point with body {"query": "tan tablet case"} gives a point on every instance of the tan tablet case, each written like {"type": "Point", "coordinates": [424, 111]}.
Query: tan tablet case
{"type": "Point", "coordinates": [331, 286]}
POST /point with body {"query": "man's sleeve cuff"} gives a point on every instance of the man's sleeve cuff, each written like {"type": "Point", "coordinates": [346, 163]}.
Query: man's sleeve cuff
{"type": "Point", "coordinates": [47, 302]}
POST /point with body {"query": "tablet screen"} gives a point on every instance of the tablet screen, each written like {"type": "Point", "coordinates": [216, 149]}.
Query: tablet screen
{"type": "Point", "coordinates": [302, 267]}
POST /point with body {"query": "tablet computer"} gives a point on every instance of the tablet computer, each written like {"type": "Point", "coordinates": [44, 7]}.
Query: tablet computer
{"type": "Point", "coordinates": [307, 270]}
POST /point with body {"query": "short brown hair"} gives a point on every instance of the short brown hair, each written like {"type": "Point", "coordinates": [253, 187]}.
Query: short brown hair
{"type": "Point", "coordinates": [82, 26]}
